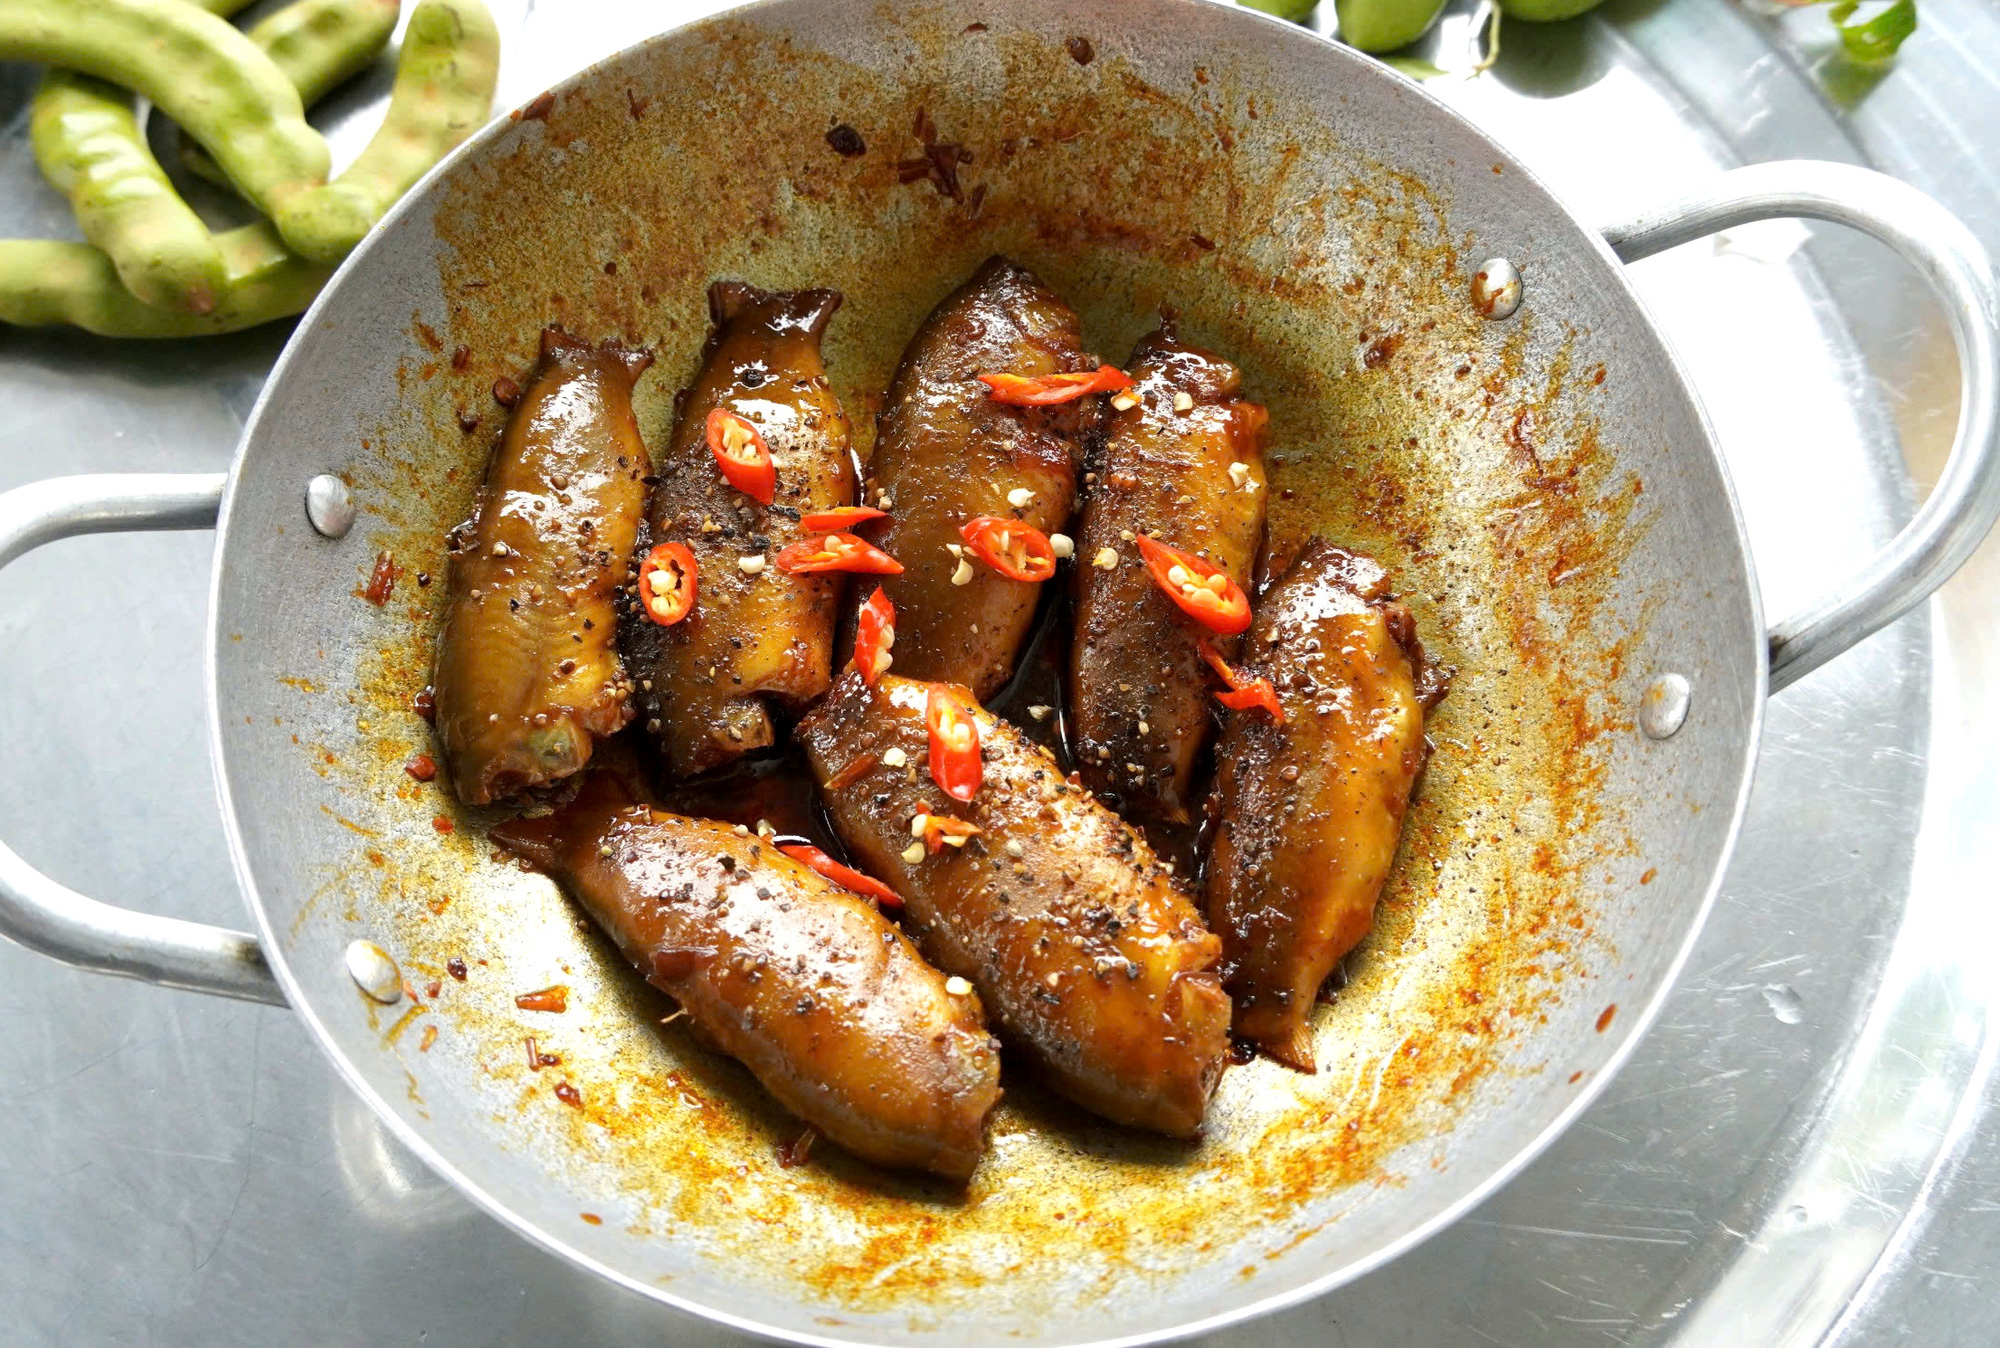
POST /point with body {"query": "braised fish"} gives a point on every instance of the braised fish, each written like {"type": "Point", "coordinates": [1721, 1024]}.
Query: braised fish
{"type": "Point", "coordinates": [948, 454]}
{"type": "Point", "coordinates": [755, 635]}
{"type": "Point", "coordinates": [1183, 464]}
{"type": "Point", "coordinates": [1311, 809]}
{"type": "Point", "coordinates": [1089, 959]}
{"type": "Point", "coordinates": [807, 985]}
{"type": "Point", "coordinates": [527, 667]}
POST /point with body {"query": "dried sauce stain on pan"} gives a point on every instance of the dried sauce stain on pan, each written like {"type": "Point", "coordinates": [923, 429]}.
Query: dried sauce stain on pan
{"type": "Point", "coordinates": [1402, 425]}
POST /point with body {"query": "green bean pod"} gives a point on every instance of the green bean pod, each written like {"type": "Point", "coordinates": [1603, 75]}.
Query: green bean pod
{"type": "Point", "coordinates": [446, 74]}
{"type": "Point", "coordinates": [196, 68]}
{"type": "Point", "coordinates": [47, 281]}
{"type": "Point", "coordinates": [319, 45]}
{"type": "Point", "coordinates": [89, 146]}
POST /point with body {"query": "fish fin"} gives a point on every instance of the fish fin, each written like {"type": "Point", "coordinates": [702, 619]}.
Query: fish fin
{"type": "Point", "coordinates": [1293, 1048]}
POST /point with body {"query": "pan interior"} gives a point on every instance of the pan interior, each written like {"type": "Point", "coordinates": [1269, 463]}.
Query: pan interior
{"type": "Point", "coordinates": [1543, 488]}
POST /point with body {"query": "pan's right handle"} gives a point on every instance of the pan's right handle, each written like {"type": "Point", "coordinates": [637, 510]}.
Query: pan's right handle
{"type": "Point", "coordinates": [54, 919]}
{"type": "Point", "coordinates": [1966, 501]}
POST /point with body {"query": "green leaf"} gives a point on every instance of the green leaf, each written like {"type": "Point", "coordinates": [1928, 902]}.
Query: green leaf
{"type": "Point", "coordinates": [1873, 40]}
{"type": "Point", "coordinates": [1298, 11]}
{"type": "Point", "coordinates": [1414, 66]}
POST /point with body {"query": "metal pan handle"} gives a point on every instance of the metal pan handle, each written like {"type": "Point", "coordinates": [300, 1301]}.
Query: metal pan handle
{"type": "Point", "coordinates": [1966, 500]}
{"type": "Point", "coordinates": [54, 919]}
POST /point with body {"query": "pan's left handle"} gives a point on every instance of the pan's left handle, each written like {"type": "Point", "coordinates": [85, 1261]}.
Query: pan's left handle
{"type": "Point", "coordinates": [52, 918]}
{"type": "Point", "coordinates": [1966, 501]}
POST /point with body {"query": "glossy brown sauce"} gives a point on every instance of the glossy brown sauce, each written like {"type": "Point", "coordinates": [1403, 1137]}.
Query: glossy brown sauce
{"type": "Point", "coordinates": [1040, 681]}
{"type": "Point", "coordinates": [774, 788]}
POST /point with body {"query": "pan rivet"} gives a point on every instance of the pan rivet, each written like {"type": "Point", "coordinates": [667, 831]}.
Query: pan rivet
{"type": "Point", "coordinates": [1496, 288]}
{"type": "Point", "coordinates": [1664, 706]}
{"type": "Point", "coordinates": [329, 506]}
{"type": "Point", "coordinates": [374, 972]}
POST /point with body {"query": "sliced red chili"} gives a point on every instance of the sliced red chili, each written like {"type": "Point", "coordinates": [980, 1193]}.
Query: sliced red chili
{"type": "Point", "coordinates": [1044, 390]}
{"type": "Point", "coordinates": [837, 552]}
{"type": "Point", "coordinates": [857, 767]}
{"type": "Point", "coordinates": [844, 876]}
{"type": "Point", "coordinates": [940, 829]}
{"type": "Point", "coordinates": [1203, 591]}
{"type": "Point", "coordinates": [555, 998]}
{"type": "Point", "coordinates": [381, 581]}
{"type": "Point", "coordinates": [954, 744]}
{"type": "Point", "coordinates": [1016, 550]}
{"type": "Point", "coordinates": [742, 455]}
{"type": "Point", "coordinates": [842, 518]}
{"type": "Point", "coordinates": [874, 636]}
{"type": "Point", "coordinates": [1244, 693]}
{"type": "Point", "coordinates": [1258, 694]}
{"type": "Point", "coordinates": [667, 582]}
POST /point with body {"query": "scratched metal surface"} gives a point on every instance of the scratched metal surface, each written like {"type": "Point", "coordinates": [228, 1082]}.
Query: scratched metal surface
{"type": "Point", "coordinates": [1799, 1140]}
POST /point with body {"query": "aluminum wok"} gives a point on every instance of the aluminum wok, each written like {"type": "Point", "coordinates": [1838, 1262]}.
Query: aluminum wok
{"type": "Point", "coordinates": [1541, 479]}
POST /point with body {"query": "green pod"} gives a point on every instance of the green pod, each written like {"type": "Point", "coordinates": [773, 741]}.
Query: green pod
{"type": "Point", "coordinates": [1385, 25]}
{"type": "Point", "coordinates": [319, 45]}
{"type": "Point", "coordinates": [197, 69]}
{"type": "Point", "coordinates": [88, 143]}
{"type": "Point", "coordinates": [1546, 11]}
{"type": "Point", "coordinates": [1298, 11]}
{"type": "Point", "coordinates": [445, 77]}
{"type": "Point", "coordinates": [47, 281]}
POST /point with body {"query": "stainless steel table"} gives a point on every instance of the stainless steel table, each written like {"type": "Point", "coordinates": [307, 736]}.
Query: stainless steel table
{"type": "Point", "coordinates": [1805, 1147]}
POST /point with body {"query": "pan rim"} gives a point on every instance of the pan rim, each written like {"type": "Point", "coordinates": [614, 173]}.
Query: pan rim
{"type": "Point", "coordinates": [1313, 47]}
